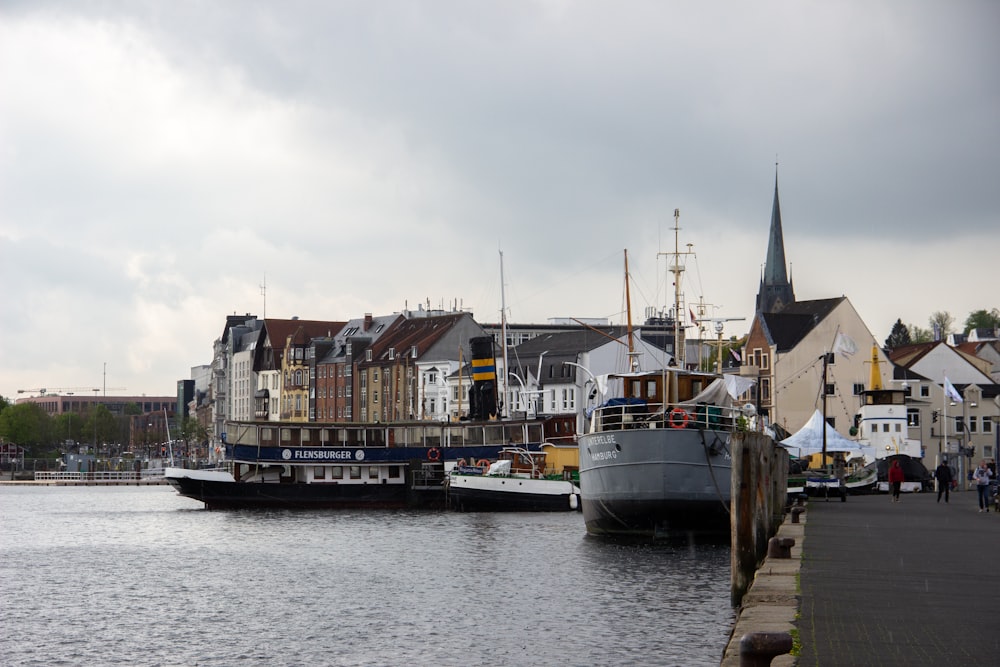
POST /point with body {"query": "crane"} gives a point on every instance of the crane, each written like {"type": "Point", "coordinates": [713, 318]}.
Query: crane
{"type": "Point", "coordinates": [65, 390]}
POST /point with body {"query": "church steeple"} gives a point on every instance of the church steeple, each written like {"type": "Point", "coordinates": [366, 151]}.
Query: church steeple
{"type": "Point", "coordinates": [775, 288]}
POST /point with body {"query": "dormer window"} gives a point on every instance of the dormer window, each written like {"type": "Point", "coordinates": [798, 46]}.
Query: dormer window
{"type": "Point", "coordinates": [392, 353]}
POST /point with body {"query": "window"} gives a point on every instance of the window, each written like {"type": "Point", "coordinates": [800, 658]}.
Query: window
{"type": "Point", "coordinates": [319, 472]}
{"type": "Point", "coordinates": [987, 425]}
{"type": "Point", "coordinates": [858, 388]}
{"type": "Point", "coordinates": [913, 417]}
{"type": "Point", "coordinates": [568, 399]}
{"type": "Point", "coordinates": [885, 427]}
{"type": "Point", "coordinates": [898, 427]}
{"type": "Point", "coordinates": [765, 389]}
{"type": "Point", "coordinates": [831, 389]}
{"type": "Point", "coordinates": [925, 391]}
{"type": "Point", "coordinates": [972, 425]}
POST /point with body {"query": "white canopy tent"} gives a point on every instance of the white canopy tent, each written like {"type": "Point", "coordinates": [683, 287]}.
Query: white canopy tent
{"type": "Point", "coordinates": [808, 440]}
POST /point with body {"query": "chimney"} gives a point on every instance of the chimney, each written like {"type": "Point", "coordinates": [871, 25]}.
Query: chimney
{"type": "Point", "coordinates": [368, 321]}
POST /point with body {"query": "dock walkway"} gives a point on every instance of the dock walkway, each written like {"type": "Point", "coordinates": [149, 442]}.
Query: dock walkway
{"type": "Point", "coordinates": [908, 583]}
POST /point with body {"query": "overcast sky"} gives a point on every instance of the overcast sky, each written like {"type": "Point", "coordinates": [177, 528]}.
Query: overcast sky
{"type": "Point", "coordinates": [159, 161]}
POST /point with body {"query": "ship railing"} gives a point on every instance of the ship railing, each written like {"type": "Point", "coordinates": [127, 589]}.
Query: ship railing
{"type": "Point", "coordinates": [677, 416]}
{"type": "Point", "coordinates": [109, 476]}
{"type": "Point", "coordinates": [424, 478]}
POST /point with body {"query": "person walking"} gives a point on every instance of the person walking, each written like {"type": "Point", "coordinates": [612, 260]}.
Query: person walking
{"type": "Point", "coordinates": [943, 476]}
{"type": "Point", "coordinates": [840, 470]}
{"type": "Point", "coordinates": [982, 479]}
{"type": "Point", "coordinates": [895, 479]}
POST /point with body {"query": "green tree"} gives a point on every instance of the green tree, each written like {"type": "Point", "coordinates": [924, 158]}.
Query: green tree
{"type": "Point", "coordinates": [100, 426]}
{"type": "Point", "coordinates": [898, 337]}
{"type": "Point", "coordinates": [982, 319]}
{"type": "Point", "coordinates": [193, 432]}
{"type": "Point", "coordinates": [67, 426]}
{"type": "Point", "coordinates": [28, 425]}
{"type": "Point", "coordinates": [942, 322]}
{"type": "Point", "coordinates": [918, 335]}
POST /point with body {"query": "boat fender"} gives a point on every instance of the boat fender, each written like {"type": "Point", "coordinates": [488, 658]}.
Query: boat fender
{"type": "Point", "coordinates": [483, 463]}
{"type": "Point", "coordinates": [460, 463]}
{"type": "Point", "coordinates": [678, 418]}
{"type": "Point", "coordinates": [433, 454]}
{"type": "Point", "coordinates": [573, 501]}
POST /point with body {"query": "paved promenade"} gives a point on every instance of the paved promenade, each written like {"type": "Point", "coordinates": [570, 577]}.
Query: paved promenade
{"type": "Point", "coordinates": [907, 583]}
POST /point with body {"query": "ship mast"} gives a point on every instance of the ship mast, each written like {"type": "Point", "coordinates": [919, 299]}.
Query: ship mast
{"type": "Point", "coordinates": [677, 268]}
{"type": "Point", "coordinates": [632, 362]}
{"type": "Point", "coordinates": [503, 333]}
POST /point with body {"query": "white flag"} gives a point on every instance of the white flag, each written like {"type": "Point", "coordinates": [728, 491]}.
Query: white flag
{"type": "Point", "coordinates": [845, 345]}
{"type": "Point", "coordinates": [950, 391]}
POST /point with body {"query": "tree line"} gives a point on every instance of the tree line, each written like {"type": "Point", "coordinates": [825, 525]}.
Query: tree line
{"type": "Point", "coordinates": [46, 436]}
{"type": "Point", "coordinates": [940, 324]}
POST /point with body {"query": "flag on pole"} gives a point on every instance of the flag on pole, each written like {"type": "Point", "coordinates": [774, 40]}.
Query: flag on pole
{"type": "Point", "coordinates": [845, 345]}
{"type": "Point", "coordinates": [694, 320]}
{"type": "Point", "coordinates": [950, 391]}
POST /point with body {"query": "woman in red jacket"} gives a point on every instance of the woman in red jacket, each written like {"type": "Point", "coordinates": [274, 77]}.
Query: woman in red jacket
{"type": "Point", "coordinates": [895, 479]}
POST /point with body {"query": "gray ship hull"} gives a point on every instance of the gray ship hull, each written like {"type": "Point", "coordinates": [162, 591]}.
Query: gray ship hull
{"type": "Point", "coordinates": [655, 482]}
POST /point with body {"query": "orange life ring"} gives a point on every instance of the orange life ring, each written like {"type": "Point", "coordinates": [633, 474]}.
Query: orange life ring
{"type": "Point", "coordinates": [483, 463]}
{"type": "Point", "coordinates": [433, 454]}
{"type": "Point", "coordinates": [678, 418]}
{"type": "Point", "coordinates": [460, 463]}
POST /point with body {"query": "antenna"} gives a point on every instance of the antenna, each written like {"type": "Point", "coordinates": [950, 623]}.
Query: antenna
{"type": "Point", "coordinates": [263, 293]}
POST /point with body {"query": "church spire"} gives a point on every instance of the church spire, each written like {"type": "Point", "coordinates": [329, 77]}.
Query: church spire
{"type": "Point", "coordinates": [775, 288]}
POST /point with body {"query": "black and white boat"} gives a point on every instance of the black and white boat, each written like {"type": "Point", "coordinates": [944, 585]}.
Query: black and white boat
{"type": "Point", "coordinates": [516, 481]}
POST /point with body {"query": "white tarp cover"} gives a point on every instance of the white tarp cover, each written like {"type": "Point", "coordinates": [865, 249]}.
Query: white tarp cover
{"type": "Point", "coordinates": [809, 439]}
{"type": "Point", "coordinates": [501, 467]}
{"type": "Point", "coordinates": [722, 391]}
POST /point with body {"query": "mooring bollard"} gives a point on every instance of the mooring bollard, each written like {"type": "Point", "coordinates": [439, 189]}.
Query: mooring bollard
{"type": "Point", "coordinates": [757, 649]}
{"type": "Point", "coordinates": [780, 547]}
{"type": "Point", "coordinates": [796, 511]}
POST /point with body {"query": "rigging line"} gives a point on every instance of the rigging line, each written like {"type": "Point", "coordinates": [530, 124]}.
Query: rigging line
{"type": "Point", "coordinates": [799, 373]}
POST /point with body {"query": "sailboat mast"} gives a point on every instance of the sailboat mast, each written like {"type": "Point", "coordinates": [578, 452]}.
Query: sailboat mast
{"type": "Point", "coordinates": [503, 333]}
{"type": "Point", "coordinates": [632, 363]}
{"type": "Point", "coordinates": [677, 268]}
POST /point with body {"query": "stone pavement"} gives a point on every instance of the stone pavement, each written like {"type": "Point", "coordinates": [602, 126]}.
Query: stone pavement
{"type": "Point", "coordinates": [872, 582]}
{"type": "Point", "coordinates": [908, 583]}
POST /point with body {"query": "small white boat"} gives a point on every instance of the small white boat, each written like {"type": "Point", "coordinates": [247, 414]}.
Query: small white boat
{"type": "Point", "coordinates": [515, 482]}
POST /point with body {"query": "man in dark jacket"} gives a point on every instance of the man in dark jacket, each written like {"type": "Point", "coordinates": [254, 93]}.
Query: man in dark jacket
{"type": "Point", "coordinates": [943, 476]}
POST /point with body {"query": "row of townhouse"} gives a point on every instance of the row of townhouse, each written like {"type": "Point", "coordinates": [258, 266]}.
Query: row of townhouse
{"type": "Point", "coordinates": [412, 365]}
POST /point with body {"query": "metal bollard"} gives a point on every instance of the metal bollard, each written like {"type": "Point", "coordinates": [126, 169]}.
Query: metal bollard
{"type": "Point", "coordinates": [796, 511]}
{"type": "Point", "coordinates": [780, 547]}
{"type": "Point", "coordinates": [757, 649]}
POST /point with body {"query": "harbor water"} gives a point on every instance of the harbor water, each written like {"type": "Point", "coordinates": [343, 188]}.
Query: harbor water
{"type": "Point", "coordinates": [142, 576]}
